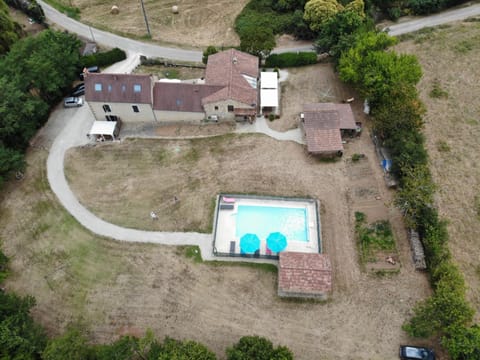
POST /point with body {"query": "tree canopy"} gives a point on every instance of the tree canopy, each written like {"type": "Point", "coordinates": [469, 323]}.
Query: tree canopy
{"type": "Point", "coordinates": [9, 30]}
{"type": "Point", "coordinates": [258, 348]}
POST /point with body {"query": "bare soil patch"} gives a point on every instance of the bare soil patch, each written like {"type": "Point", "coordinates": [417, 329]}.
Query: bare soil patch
{"type": "Point", "coordinates": [169, 72]}
{"type": "Point", "coordinates": [450, 57]}
{"type": "Point", "coordinates": [308, 84]}
{"type": "Point", "coordinates": [198, 23]}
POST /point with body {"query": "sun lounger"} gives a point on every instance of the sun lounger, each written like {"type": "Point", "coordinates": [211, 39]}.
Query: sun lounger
{"type": "Point", "coordinates": [232, 247]}
{"type": "Point", "coordinates": [228, 200]}
{"type": "Point", "coordinates": [227, 206]}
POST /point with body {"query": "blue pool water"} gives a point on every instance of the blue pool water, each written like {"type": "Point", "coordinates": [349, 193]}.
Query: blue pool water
{"type": "Point", "coordinates": [263, 220]}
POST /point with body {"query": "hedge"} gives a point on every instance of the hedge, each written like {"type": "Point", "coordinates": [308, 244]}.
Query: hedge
{"type": "Point", "coordinates": [291, 59]}
{"type": "Point", "coordinates": [103, 59]}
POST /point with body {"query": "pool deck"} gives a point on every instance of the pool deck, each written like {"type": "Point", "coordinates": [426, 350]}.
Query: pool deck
{"type": "Point", "coordinates": [226, 242]}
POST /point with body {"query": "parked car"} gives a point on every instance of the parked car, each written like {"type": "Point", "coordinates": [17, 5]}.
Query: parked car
{"type": "Point", "coordinates": [72, 102]}
{"type": "Point", "coordinates": [408, 352]}
{"type": "Point", "coordinates": [78, 90]}
{"type": "Point", "coordinates": [91, 69]}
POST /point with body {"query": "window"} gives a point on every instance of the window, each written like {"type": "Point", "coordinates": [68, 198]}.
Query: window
{"type": "Point", "coordinates": [230, 108]}
{"type": "Point", "coordinates": [216, 107]}
{"type": "Point", "coordinates": [135, 108]}
{"type": "Point", "coordinates": [137, 88]}
{"type": "Point", "coordinates": [109, 88]}
{"type": "Point", "coordinates": [107, 108]}
{"type": "Point", "coordinates": [124, 88]}
{"type": "Point", "coordinates": [98, 87]}
{"type": "Point", "coordinates": [179, 102]}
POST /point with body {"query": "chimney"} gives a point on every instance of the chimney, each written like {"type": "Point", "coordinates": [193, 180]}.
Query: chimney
{"type": "Point", "coordinates": [234, 60]}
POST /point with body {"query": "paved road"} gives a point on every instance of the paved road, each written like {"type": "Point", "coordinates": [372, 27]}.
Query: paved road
{"type": "Point", "coordinates": [434, 20]}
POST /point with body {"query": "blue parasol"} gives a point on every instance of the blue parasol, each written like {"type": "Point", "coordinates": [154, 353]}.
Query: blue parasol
{"type": "Point", "coordinates": [276, 242]}
{"type": "Point", "coordinates": [249, 243]}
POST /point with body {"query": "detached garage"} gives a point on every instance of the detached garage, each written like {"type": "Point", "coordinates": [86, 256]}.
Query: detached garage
{"type": "Point", "coordinates": [105, 130]}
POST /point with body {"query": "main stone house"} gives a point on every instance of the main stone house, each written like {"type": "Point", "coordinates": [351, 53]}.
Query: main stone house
{"type": "Point", "coordinates": [229, 91]}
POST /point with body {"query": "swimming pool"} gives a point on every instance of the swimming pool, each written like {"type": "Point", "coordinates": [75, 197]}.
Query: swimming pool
{"type": "Point", "coordinates": [263, 220]}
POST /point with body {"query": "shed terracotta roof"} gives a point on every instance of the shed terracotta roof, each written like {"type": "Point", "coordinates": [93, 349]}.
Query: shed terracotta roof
{"type": "Point", "coordinates": [304, 274]}
{"type": "Point", "coordinates": [233, 69]}
{"type": "Point", "coordinates": [322, 125]}
{"type": "Point", "coordinates": [343, 120]}
{"type": "Point", "coordinates": [181, 96]}
{"type": "Point", "coordinates": [120, 88]}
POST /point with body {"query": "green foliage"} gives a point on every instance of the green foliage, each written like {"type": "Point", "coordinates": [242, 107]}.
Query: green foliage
{"type": "Point", "coordinates": [72, 345]}
{"type": "Point", "coordinates": [207, 52]}
{"type": "Point", "coordinates": [9, 30]}
{"type": "Point", "coordinates": [336, 29]}
{"type": "Point", "coordinates": [415, 193]}
{"type": "Point", "coordinates": [318, 12]}
{"type": "Point", "coordinates": [44, 65]}
{"type": "Point", "coordinates": [463, 343]}
{"type": "Point", "coordinates": [103, 58]}
{"type": "Point", "coordinates": [257, 41]}
{"type": "Point", "coordinates": [373, 237]}
{"type": "Point", "coordinates": [10, 160]}
{"type": "Point", "coordinates": [20, 337]}
{"type": "Point", "coordinates": [291, 59]}
{"type": "Point", "coordinates": [184, 350]}
{"type": "Point", "coordinates": [282, 17]}
{"type": "Point", "coordinates": [258, 348]}
{"type": "Point", "coordinates": [29, 7]}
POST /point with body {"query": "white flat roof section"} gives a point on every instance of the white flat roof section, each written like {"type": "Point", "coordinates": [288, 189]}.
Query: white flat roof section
{"type": "Point", "coordinates": [269, 89]}
{"type": "Point", "coordinates": [103, 128]}
{"type": "Point", "coordinates": [269, 80]}
{"type": "Point", "coordinates": [269, 98]}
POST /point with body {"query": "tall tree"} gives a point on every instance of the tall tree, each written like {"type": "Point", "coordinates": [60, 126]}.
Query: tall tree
{"type": "Point", "coordinates": [258, 348]}
{"type": "Point", "coordinates": [44, 65]}
{"type": "Point", "coordinates": [9, 30]}
{"type": "Point", "coordinates": [258, 41]}
{"type": "Point", "coordinates": [317, 12]}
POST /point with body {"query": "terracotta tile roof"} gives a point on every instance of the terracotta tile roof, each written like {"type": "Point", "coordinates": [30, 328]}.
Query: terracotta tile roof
{"type": "Point", "coordinates": [181, 96]}
{"type": "Point", "coordinates": [322, 125]}
{"type": "Point", "coordinates": [233, 69]}
{"type": "Point", "coordinates": [343, 120]}
{"type": "Point", "coordinates": [304, 274]}
{"type": "Point", "coordinates": [121, 88]}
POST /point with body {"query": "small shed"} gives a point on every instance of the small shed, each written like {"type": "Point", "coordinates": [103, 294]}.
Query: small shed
{"type": "Point", "coordinates": [105, 130]}
{"type": "Point", "coordinates": [304, 275]}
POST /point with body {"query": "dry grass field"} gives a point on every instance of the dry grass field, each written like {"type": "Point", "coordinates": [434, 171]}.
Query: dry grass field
{"type": "Point", "coordinates": [198, 23]}
{"type": "Point", "coordinates": [450, 57]}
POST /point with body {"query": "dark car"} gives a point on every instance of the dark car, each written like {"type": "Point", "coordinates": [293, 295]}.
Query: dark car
{"type": "Point", "coordinates": [91, 69]}
{"type": "Point", "coordinates": [78, 90]}
{"type": "Point", "coordinates": [408, 352]}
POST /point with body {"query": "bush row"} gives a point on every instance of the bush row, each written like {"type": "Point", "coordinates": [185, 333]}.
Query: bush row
{"type": "Point", "coordinates": [104, 58]}
{"type": "Point", "coordinates": [389, 81]}
{"type": "Point", "coordinates": [291, 59]}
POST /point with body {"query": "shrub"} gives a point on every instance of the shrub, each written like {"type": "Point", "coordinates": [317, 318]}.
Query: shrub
{"type": "Point", "coordinates": [291, 59]}
{"type": "Point", "coordinates": [104, 58]}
